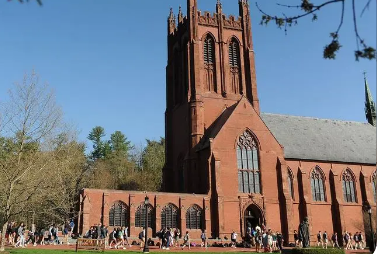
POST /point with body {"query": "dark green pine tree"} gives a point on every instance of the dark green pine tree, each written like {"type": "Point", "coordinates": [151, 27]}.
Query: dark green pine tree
{"type": "Point", "coordinates": [100, 147]}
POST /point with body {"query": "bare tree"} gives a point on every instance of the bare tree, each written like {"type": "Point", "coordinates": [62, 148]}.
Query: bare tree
{"type": "Point", "coordinates": [31, 119]}
{"type": "Point", "coordinates": [67, 177]}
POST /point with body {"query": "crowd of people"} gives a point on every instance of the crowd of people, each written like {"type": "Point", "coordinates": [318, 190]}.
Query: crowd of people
{"type": "Point", "coordinates": [118, 237]}
{"type": "Point", "coordinates": [350, 241]}
{"type": "Point", "coordinates": [16, 234]}
{"type": "Point", "coordinates": [261, 238]}
{"type": "Point", "coordinates": [258, 237]}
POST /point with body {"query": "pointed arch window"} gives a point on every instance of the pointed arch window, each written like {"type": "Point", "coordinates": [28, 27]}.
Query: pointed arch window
{"type": "Point", "coordinates": [194, 217]}
{"type": "Point", "coordinates": [290, 180]}
{"type": "Point", "coordinates": [317, 184]}
{"type": "Point", "coordinates": [209, 63]}
{"type": "Point", "coordinates": [374, 186]}
{"type": "Point", "coordinates": [247, 163]}
{"type": "Point", "coordinates": [118, 214]}
{"type": "Point", "coordinates": [235, 64]}
{"type": "Point", "coordinates": [348, 185]}
{"type": "Point", "coordinates": [169, 216]}
{"type": "Point", "coordinates": [140, 216]}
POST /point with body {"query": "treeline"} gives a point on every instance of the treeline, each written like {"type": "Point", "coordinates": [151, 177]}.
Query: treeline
{"type": "Point", "coordinates": [116, 164]}
{"type": "Point", "coordinates": [43, 166]}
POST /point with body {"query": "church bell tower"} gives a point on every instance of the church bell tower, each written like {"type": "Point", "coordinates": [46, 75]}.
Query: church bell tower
{"type": "Point", "coordinates": [211, 66]}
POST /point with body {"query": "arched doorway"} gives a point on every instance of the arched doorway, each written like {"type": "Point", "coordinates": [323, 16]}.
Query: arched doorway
{"type": "Point", "coordinates": [253, 217]}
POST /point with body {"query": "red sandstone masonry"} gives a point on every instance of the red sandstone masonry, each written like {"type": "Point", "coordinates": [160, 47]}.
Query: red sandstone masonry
{"type": "Point", "coordinates": [213, 171]}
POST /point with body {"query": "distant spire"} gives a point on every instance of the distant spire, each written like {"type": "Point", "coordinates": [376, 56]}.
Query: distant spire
{"type": "Point", "coordinates": [370, 108]}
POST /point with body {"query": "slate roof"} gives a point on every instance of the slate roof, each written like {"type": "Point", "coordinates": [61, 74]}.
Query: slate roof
{"type": "Point", "coordinates": [323, 139]}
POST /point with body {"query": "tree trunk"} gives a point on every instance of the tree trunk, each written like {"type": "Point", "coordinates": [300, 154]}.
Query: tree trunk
{"type": "Point", "coordinates": [3, 232]}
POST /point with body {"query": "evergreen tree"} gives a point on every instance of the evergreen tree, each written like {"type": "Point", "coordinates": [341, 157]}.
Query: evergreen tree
{"type": "Point", "coordinates": [100, 147]}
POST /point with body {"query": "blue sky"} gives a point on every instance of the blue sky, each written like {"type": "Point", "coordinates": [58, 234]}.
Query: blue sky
{"type": "Point", "coordinates": [106, 60]}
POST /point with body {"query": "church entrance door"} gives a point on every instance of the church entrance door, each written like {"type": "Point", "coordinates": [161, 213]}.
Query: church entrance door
{"type": "Point", "coordinates": [253, 217]}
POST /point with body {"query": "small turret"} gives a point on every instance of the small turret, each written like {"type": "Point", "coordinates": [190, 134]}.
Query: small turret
{"type": "Point", "coordinates": [171, 22]}
{"type": "Point", "coordinates": [370, 108]}
{"type": "Point", "coordinates": [180, 15]}
{"type": "Point", "coordinates": [219, 7]}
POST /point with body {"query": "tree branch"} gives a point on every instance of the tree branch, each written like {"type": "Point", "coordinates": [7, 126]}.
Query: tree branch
{"type": "Point", "coordinates": [365, 7]}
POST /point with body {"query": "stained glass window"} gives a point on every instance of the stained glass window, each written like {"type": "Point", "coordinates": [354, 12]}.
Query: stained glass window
{"type": "Point", "coordinates": [140, 216]}
{"type": "Point", "coordinates": [317, 184]}
{"type": "Point", "coordinates": [169, 216]}
{"type": "Point", "coordinates": [247, 163]}
{"type": "Point", "coordinates": [118, 214]}
{"type": "Point", "coordinates": [194, 217]}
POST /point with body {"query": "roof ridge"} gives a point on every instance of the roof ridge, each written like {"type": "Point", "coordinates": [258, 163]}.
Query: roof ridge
{"type": "Point", "coordinates": [317, 118]}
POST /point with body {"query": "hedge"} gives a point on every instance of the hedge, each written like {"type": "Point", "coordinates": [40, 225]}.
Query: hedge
{"type": "Point", "coordinates": [313, 251]}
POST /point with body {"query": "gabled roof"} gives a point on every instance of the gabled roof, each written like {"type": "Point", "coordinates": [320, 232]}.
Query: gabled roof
{"type": "Point", "coordinates": [323, 139]}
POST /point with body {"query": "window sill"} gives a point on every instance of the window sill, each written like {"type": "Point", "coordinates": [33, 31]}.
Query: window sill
{"type": "Point", "coordinates": [320, 203]}
{"type": "Point", "coordinates": [350, 204]}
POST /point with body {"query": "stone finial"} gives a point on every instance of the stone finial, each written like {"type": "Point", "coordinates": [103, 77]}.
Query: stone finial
{"type": "Point", "coordinates": [171, 15]}
{"type": "Point", "coordinates": [180, 15]}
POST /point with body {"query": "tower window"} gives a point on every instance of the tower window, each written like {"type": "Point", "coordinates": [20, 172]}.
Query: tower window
{"type": "Point", "coordinates": [234, 62]}
{"type": "Point", "coordinates": [247, 163]}
{"type": "Point", "coordinates": [209, 64]}
{"type": "Point", "coordinates": [208, 50]}
{"type": "Point", "coordinates": [234, 53]}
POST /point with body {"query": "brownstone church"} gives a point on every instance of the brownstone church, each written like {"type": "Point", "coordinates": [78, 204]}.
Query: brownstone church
{"type": "Point", "coordinates": [229, 166]}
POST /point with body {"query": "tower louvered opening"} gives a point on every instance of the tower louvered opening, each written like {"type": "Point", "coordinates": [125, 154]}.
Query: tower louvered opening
{"type": "Point", "coordinates": [208, 50]}
{"type": "Point", "coordinates": [234, 53]}
{"type": "Point", "coordinates": [209, 64]}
